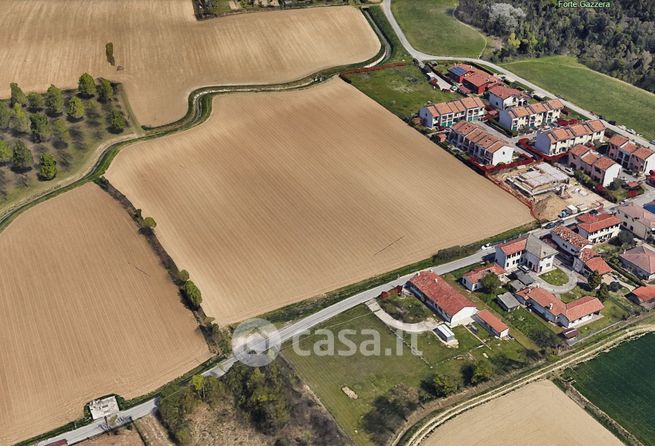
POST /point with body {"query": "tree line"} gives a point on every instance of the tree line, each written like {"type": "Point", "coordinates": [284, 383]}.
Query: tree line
{"type": "Point", "coordinates": [618, 41]}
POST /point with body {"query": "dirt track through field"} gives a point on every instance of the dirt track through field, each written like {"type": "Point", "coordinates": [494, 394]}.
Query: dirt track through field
{"type": "Point", "coordinates": [538, 414]}
{"type": "Point", "coordinates": [165, 53]}
{"type": "Point", "coordinates": [87, 310]}
{"type": "Point", "coordinates": [282, 196]}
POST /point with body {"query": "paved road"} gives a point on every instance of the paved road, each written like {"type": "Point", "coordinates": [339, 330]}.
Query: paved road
{"type": "Point", "coordinates": [421, 56]}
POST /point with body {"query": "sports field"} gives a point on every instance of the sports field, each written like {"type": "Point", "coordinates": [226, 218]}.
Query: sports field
{"type": "Point", "coordinates": [162, 53]}
{"type": "Point", "coordinates": [620, 383]}
{"type": "Point", "coordinates": [538, 414]}
{"type": "Point", "coordinates": [431, 27]}
{"type": "Point", "coordinates": [279, 197]}
{"type": "Point", "coordinates": [591, 90]}
{"type": "Point", "coordinates": [87, 310]}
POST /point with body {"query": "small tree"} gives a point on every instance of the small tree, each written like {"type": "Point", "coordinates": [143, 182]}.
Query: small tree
{"type": "Point", "coordinates": [105, 91]}
{"type": "Point", "coordinates": [40, 127]}
{"type": "Point", "coordinates": [54, 101]}
{"type": "Point", "coordinates": [625, 237]}
{"type": "Point", "coordinates": [35, 101]}
{"type": "Point", "coordinates": [594, 280]}
{"type": "Point", "coordinates": [21, 157]}
{"type": "Point", "coordinates": [482, 371]}
{"type": "Point", "coordinates": [47, 167]}
{"type": "Point", "coordinates": [17, 95]}
{"type": "Point", "coordinates": [75, 109]}
{"type": "Point", "coordinates": [5, 153]}
{"type": "Point", "coordinates": [60, 131]}
{"type": "Point", "coordinates": [603, 292]}
{"type": "Point", "coordinates": [148, 223]}
{"type": "Point", "coordinates": [19, 120]}
{"type": "Point", "coordinates": [444, 385]}
{"type": "Point", "coordinates": [109, 52]}
{"type": "Point", "coordinates": [5, 115]}
{"type": "Point", "coordinates": [490, 283]}
{"type": "Point", "coordinates": [192, 294]}
{"type": "Point", "coordinates": [198, 384]}
{"type": "Point", "coordinates": [182, 275]}
{"type": "Point", "coordinates": [86, 85]}
{"type": "Point", "coordinates": [118, 123]}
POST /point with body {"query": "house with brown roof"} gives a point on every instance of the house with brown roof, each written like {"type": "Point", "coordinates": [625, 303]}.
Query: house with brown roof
{"type": "Point", "coordinates": [589, 261]}
{"type": "Point", "coordinates": [445, 114]}
{"type": "Point", "coordinates": [637, 220]}
{"type": "Point", "coordinates": [598, 228]}
{"type": "Point", "coordinates": [551, 308]}
{"type": "Point", "coordinates": [503, 97]}
{"type": "Point", "coordinates": [529, 251]}
{"type": "Point", "coordinates": [568, 240]}
{"type": "Point", "coordinates": [442, 298]}
{"type": "Point", "coordinates": [644, 296]}
{"type": "Point", "coordinates": [600, 168]}
{"type": "Point", "coordinates": [637, 159]}
{"type": "Point", "coordinates": [640, 261]}
{"type": "Point", "coordinates": [492, 324]}
{"type": "Point", "coordinates": [531, 116]}
{"type": "Point", "coordinates": [487, 148]}
{"type": "Point", "coordinates": [560, 139]}
{"type": "Point", "coordinates": [471, 280]}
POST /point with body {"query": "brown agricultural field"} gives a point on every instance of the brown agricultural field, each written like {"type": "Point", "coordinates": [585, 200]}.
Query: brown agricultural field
{"type": "Point", "coordinates": [539, 414]}
{"type": "Point", "coordinates": [87, 310]}
{"type": "Point", "coordinates": [282, 196]}
{"type": "Point", "coordinates": [165, 53]}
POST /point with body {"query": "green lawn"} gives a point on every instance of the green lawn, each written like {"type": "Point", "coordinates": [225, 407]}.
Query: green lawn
{"type": "Point", "coordinates": [431, 27]}
{"type": "Point", "coordinates": [398, 52]}
{"type": "Point", "coordinates": [372, 376]}
{"type": "Point", "coordinates": [405, 308]}
{"type": "Point", "coordinates": [620, 383]}
{"type": "Point", "coordinates": [609, 97]}
{"type": "Point", "coordinates": [555, 277]}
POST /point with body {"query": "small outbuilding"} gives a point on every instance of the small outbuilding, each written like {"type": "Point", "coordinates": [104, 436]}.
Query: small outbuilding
{"type": "Point", "coordinates": [508, 302]}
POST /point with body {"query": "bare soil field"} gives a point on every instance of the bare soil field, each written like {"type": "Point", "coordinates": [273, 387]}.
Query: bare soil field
{"type": "Point", "coordinates": [87, 310]}
{"type": "Point", "coordinates": [165, 53]}
{"type": "Point", "coordinates": [123, 437]}
{"type": "Point", "coordinates": [539, 414]}
{"type": "Point", "coordinates": [279, 197]}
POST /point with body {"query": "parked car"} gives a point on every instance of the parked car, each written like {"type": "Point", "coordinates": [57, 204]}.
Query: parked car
{"type": "Point", "coordinates": [486, 246]}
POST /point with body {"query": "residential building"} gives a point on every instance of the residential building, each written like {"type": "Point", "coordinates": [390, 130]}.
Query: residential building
{"type": "Point", "coordinates": [492, 324]}
{"type": "Point", "coordinates": [644, 296]}
{"type": "Point", "coordinates": [528, 251]}
{"type": "Point", "coordinates": [640, 261]}
{"type": "Point", "coordinates": [474, 79]}
{"type": "Point", "coordinates": [600, 168]}
{"type": "Point", "coordinates": [531, 116]}
{"type": "Point", "coordinates": [442, 298]}
{"type": "Point", "coordinates": [458, 72]}
{"type": "Point", "coordinates": [445, 114]}
{"type": "Point", "coordinates": [637, 220]}
{"type": "Point", "coordinates": [568, 240]}
{"type": "Point", "coordinates": [637, 159]}
{"type": "Point", "coordinates": [508, 302]}
{"type": "Point", "coordinates": [540, 179]}
{"type": "Point", "coordinates": [560, 139]}
{"type": "Point", "coordinates": [471, 280]}
{"type": "Point", "coordinates": [598, 228]}
{"type": "Point", "coordinates": [552, 309]}
{"type": "Point", "coordinates": [486, 148]}
{"type": "Point", "coordinates": [589, 261]}
{"type": "Point", "coordinates": [502, 97]}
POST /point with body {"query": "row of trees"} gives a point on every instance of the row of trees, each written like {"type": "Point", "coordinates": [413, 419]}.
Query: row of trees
{"type": "Point", "coordinates": [21, 160]}
{"type": "Point", "coordinates": [619, 41]}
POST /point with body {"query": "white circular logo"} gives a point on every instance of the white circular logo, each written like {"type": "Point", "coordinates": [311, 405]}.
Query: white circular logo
{"type": "Point", "coordinates": [256, 342]}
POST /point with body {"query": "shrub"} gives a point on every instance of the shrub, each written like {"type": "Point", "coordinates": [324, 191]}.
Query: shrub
{"type": "Point", "coordinates": [47, 167]}
{"type": "Point", "coordinates": [117, 122]}
{"type": "Point", "coordinates": [192, 294]}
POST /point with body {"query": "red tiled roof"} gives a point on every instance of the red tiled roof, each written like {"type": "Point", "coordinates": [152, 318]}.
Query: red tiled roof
{"type": "Point", "coordinates": [513, 246]}
{"type": "Point", "coordinates": [443, 294]}
{"type": "Point", "coordinates": [573, 238]}
{"type": "Point", "coordinates": [598, 264]}
{"type": "Point", "coordinates": [642, 257]}
{"type": "Point", "coordinates": [645, 294]}
{"type": "Point", "coordinates": [504, 92]}
{"type": "Point", "coordinates": [603, 163]}
{"type": "Point", "coordinates": [544, 298]}
{"type": "Point", "coordinates": [480, 78]}
{"type": "Point", "coordinates": [492, 320]}
{"type": "Point", "coordinates": [456, 106]}
{"type": "Point", "coordinates": [618, 140]}
{"type": "Point", "coordinates": [476, 134]}
{"type": "Point", "coordinates": [594, 223]}
{"type": "Point", "coordinates": [643, 153]}
{"type": "Point", "coordinates": [582, 307]}
{"type": "Point", "coordinates": [579, 150]}
{"type": "Point", "coordinates": [474, 276]}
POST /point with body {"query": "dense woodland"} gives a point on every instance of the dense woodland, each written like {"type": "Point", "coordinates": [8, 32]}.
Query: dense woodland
{"type": "Point", "coordinates": [619, 40]}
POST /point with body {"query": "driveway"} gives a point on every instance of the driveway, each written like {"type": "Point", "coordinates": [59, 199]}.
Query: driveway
{"type": "Point", "coordinates": [559, 289]}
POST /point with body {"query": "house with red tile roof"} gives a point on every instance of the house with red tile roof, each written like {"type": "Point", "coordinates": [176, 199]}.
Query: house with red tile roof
{"type": "Point", "coordinates": [442, 298]}
{"type": "Point", "coordinates": [473, 79]}
{"type": "Point", "coordinates": [637, 220]}
{"type": "Point", "coordinates": [640, 261]}
{"type": "Point", "coordinates": [598, 228]}
{"type": "Point", "coordinates": [503, 97]}
{"type": "Point", "coordinates": [528, 251]}
{"type": "Point", "coordinates": [445, 114]}
{"type": "Point", "coordinates": [568, 240]}
{"type": "Point", "coordinates": [637, 159]}
{"type": "Point", "coordinates": [589, 261]}
{"type": "Point", "coordinates": [471, 280]}
{"type": "Point", "coordinates": [600, 168]}
{"type": "Point", "coordinates": [644, 296]}
{"type": "Point", "coordinates": [486, 148]}
{"type": "Point", "coordinates": [551, 308]}
{"type": "Point", "coordinates": [459, 71]}
{"type": "Point", "coordinates": [560, 139]}
{"type": "Point", "coordinates": [531, 116]}
{"type": "Point", "coordinates": [492, 324]}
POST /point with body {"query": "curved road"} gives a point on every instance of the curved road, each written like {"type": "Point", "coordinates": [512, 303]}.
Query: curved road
{"type": "Point", "coordinates": [421, 56]}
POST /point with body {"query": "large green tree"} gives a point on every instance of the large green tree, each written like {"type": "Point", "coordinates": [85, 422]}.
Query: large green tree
{"type": "Point", "coordinates": [40, 126]}
{"type": "Point", "coordinates": [21, 158]}
{"type": "Point", "coordinates": [35, 101]}
{"type": "Point", "coordinates": [75, 108]}
{"type": "Point", "coordinates": [105, 91]}
{"type": "Point", "coordinates": [5, 115]}
{"type": "Point", "coordinates": [86, 85]}
{"type": "Point", "coordinates": [117, 122]}
{"type": "Point", "coordinates": [17, 95]}
{"type": "Point", "coordinates": [54, 101]}
{"type": "Point", "coordinates": [192, 294]}
{"type": "Point", "coordinates": [5, 153]}
{"type": "Point", "coordinates": [19, 120]}
{"type": "Point", "coordinates": [60, 131]}
{"type": "Point", "coordinates": [47, 167]}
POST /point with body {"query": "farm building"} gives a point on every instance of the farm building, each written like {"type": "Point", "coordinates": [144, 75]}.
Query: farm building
{"type": "Point", "coordinates": [637, 220]}
{"type": "Point", "coordinates": [471, 280]}
{"type": "Point", "coordinates": [598, 228]}
{"type": "Point", "coordinates": [477, 142]}
{"type": "Point", "coordinates": [644, 296]}
{"type": "Point", "coordinates": [442, 298]}
{"type": "Point", "coordinates": [568, 240]}
{"type": "Point", "coordinates": [600, 168]}
{"type": "Point", "coordinates": [553, 310]}
{"type": "Point", "coordinates": [528, 251]}
{"type": "Point", "coordinates": [103, 407]}
{"type": "Point", "coordinates": [445, 114]}
{"type": "Point", "coordinates": [502, 97]}
{"type": "Point", "coordinates": [539, 179]}
{"type": "Point", "coordinates": [638, 160]}
{"type": "Point", "coordinates": [532, 116]}
{"type": "Point", "coordinates": [560, 139]}
{"type": "Point", "coordinates": [492, 324]}
{"type": "Point", "coordinates": [640, 261]}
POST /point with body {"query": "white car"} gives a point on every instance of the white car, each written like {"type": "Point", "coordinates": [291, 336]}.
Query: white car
{"type": "Point", "coordinates": [486, 246]}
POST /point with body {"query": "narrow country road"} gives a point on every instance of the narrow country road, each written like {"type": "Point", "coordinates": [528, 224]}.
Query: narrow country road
{"type": "Point", "coordinates": [420, 56]}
